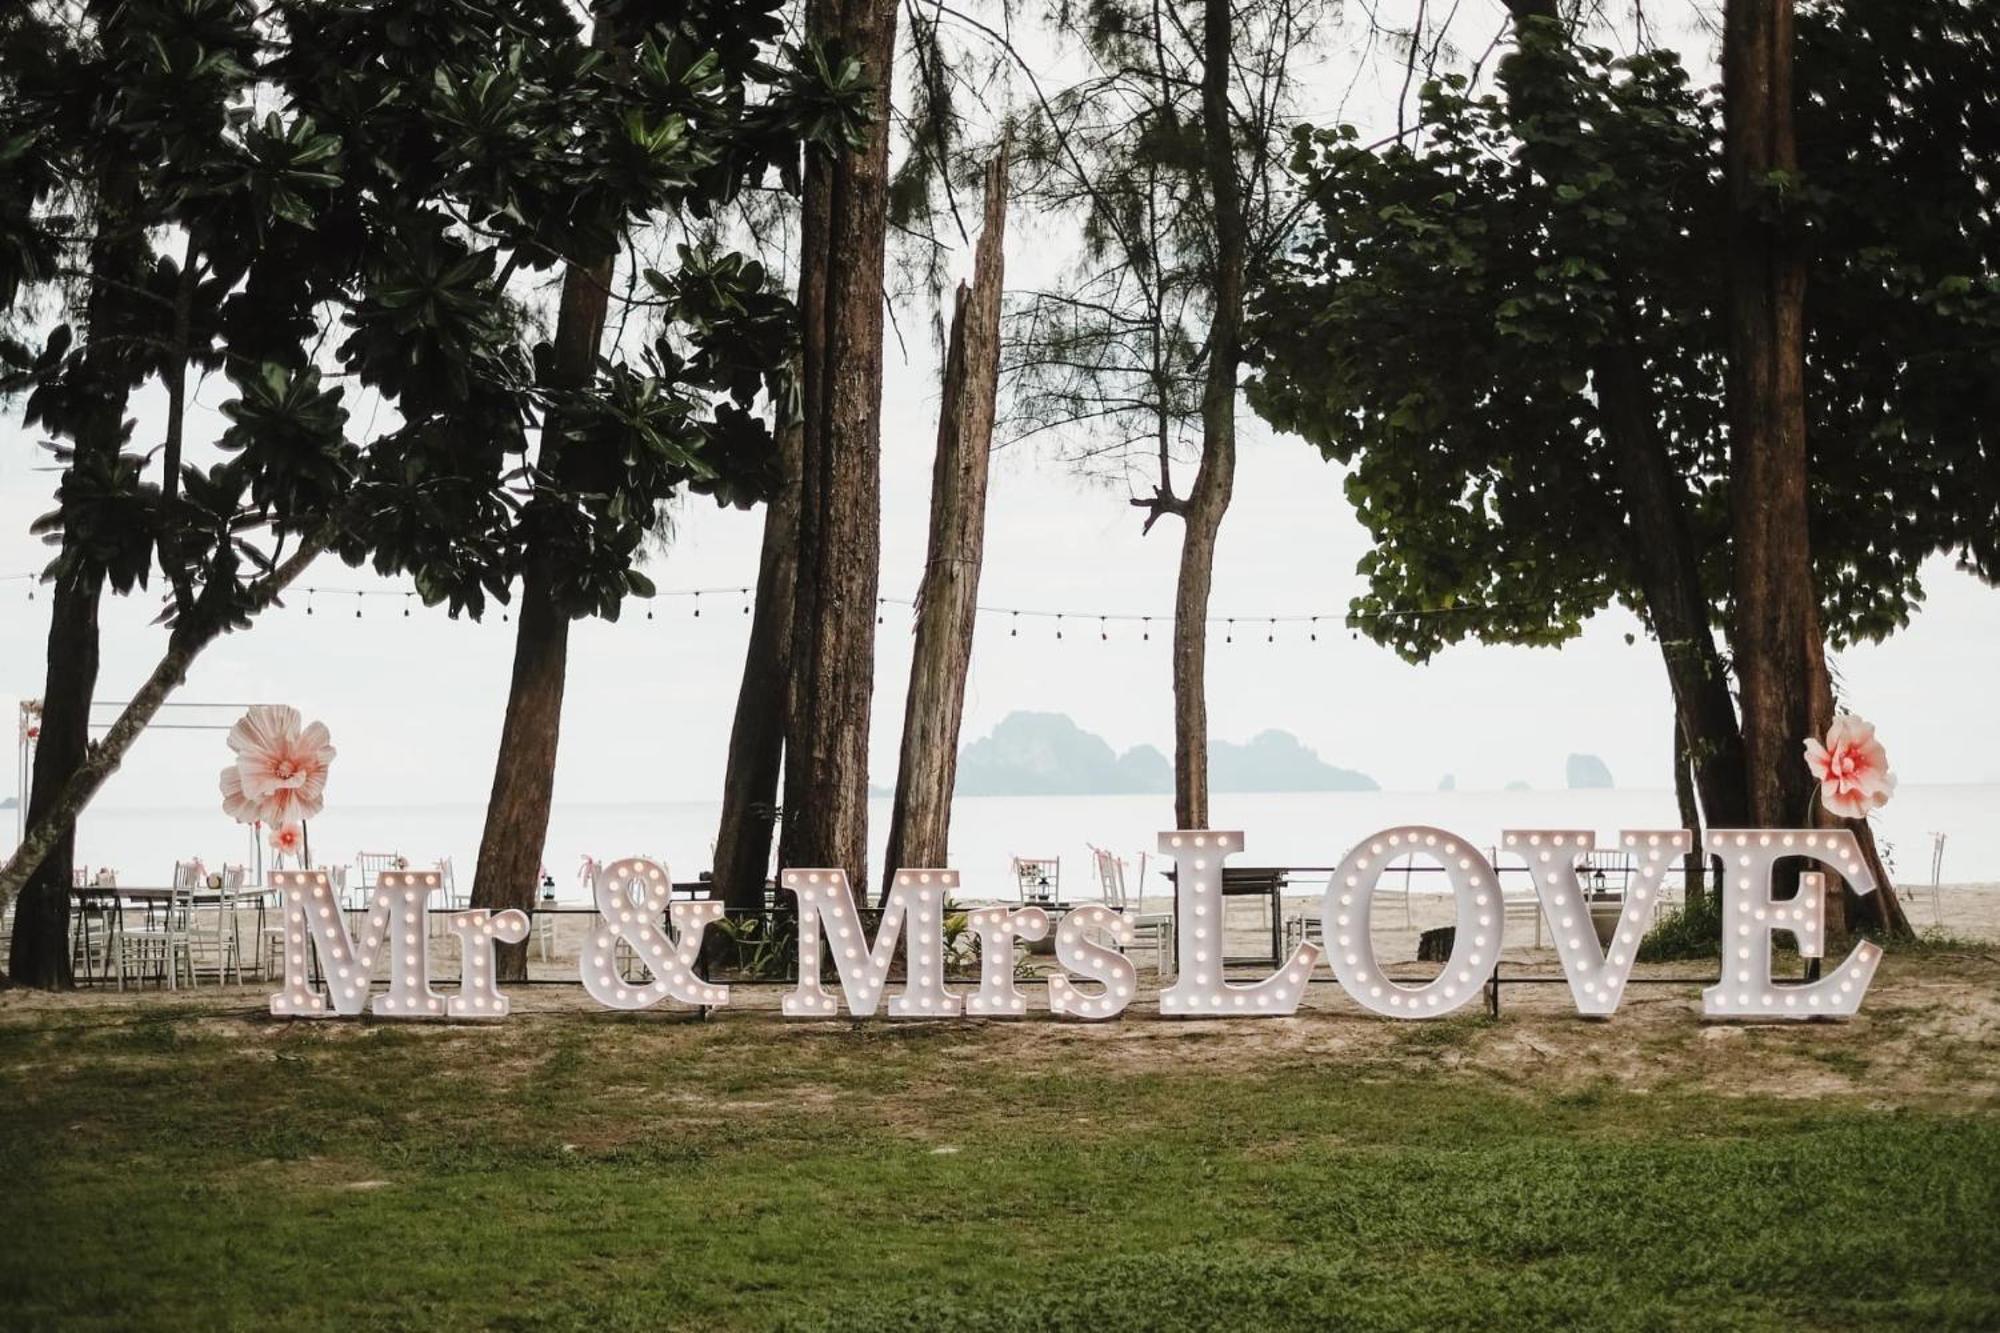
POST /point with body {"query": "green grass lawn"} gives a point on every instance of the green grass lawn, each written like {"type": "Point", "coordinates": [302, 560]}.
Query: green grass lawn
{"type": "Point", "coordinates": [181, 1165]}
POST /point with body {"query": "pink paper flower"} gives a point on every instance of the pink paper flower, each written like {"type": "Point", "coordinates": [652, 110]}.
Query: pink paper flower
{"type": "Point", "coordinates": [280, 766]}
{"type": "Point", "coordinates": [234, 803]}
{"type": "Point", "coordinates": [288, 840]}
{"type": "Point", "coordinates": [1853, 771]}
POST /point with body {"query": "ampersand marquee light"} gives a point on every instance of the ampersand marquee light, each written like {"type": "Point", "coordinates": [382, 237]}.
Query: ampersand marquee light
{"type": "Point", "coordinates": [632, 896]}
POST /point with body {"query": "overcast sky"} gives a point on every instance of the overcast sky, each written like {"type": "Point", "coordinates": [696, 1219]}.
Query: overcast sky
{"type": "Point", "coordinates": [415, 702]}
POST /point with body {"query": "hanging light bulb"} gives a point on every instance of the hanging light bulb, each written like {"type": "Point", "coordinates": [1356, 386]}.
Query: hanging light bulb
{"type": "Point", "coordinates": [1058, 624]}
{"type": "Point", "coordinates": [1014, 625]}
{"type": "Point", "coordinates": [1102, 631]}
{"type": "Point", "coordinates": [697, 606]}
{"type": "Point", "coordinates": [746, 601]}
{"type": "Point", "coordinates": [1146, 628]}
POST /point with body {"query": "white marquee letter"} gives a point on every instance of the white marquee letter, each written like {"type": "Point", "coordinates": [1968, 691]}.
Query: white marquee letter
{"type": "Point", "coordinates": [997, 929]}
{"type": "Point", "coordinates": [1350, 905]}
{"type": "Point", "coordinates": [313, 919]}
{"type": "Point", "coordinates": [1092, 961]}
{"type": "Point", "coordinates": [1199, 939]}
{"type": "Point", "coordinates": [479, 932]}
{"type": "Point", "coordinates": [1596, 976]}
{"type": "Point", "coordinates": [631, 897]}
{"type": "Point", "coordinates": [1750, 917]}
{"type": "Point", "coordinates": [824, 896]}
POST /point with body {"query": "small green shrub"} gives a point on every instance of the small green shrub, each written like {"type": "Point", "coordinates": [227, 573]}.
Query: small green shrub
{"type": "Point", "coordinates": [1693, 930]}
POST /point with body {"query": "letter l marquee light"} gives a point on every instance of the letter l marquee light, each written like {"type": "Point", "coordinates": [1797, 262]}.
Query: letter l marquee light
{"type": "Point", "coordinates": [1200, 990]}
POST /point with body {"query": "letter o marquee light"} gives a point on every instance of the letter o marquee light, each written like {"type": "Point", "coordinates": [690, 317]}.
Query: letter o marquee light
{"type": "Point", "coordinates": [1349, 906]}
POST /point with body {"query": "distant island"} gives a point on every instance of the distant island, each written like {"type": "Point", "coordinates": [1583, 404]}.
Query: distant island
{"type": "Point", "coordinates": [1047, 754]}
{"type": "Point", "coordinates": [11, 803]}
{"type": "Point", "coordinates": [1587, 772]}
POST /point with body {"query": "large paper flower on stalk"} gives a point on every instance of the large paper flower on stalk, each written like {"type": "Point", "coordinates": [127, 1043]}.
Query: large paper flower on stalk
{"type": "Point", "coordinates": [1853, 771]}
{"type": "Point", "coordinates": [279, 776]}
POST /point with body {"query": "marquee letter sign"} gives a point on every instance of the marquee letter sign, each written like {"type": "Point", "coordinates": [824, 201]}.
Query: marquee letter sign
{"type": "Point", "coordinates": [1596, 976]}
{"type": "Point", "coordinates": [394, 928]}
{"type": "Point", "coordinates": [1751, 916]}
{"type": "Point", "coordinates": [826, 900]}
{"type": "Point", "coordinates": [1198, 940]}
{"type": "Point", "coordinates": [329, 973]}
{"type": "Point", "coordinates": [1348, 916]}
{"type": "Point", "coordinates": [632, 898]}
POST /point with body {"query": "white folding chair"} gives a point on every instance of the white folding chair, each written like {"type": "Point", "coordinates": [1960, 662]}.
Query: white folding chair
{"type": "Point", "coordinates": [1153, 928]}
{"type": "Point", "coordinates": [165, 941]}
{"type": "Point", "coordinates": [1039, 878]}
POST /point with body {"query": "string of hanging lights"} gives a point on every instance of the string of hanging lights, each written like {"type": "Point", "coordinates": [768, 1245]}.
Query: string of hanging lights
{"type": "Point", "coordinates": [738, 600]}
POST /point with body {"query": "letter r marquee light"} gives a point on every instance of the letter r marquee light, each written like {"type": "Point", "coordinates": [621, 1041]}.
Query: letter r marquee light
{"type": "Point", "coordinates": [634, 902]}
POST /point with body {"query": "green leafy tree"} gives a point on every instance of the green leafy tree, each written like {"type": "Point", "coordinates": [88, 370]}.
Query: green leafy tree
{"type": "Point", "coordinates": [425, 155]}
{"type": "Point", "coordinates": [1510, 330]}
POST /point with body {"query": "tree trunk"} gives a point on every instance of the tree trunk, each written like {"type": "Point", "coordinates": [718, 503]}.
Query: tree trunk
{"type": "Point", "coordinates": [1215, 479]}
{"type": "Point", "coordinates": [842, 229]}
{"type": "Point", "coordinates": [40, 953]}
{"type": "Point", "coordinates": [1773, 574]}
{"type": "Point", "coordinates": [1663, 557]}
{"type": "Point", "coordinates": [757, 736]}
{"type": "Point", "coordinates": [1780, 649]}
{"type": "Point", "coordinates": [190, 636]}
{"type": "Point", "coordinates": [1662, 552]}
{"type": "Point", "coordinates": [524, 776]}
{"type": "Point", "coordinates": [1694, 865]}
{"type": "Point", "coordinates": [947, 599]}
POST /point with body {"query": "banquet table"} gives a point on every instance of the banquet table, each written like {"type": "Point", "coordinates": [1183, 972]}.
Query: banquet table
{"type": "Point", "coordinates": [106, 906]}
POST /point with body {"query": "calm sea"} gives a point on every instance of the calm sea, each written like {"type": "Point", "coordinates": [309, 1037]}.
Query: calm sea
{"type": "Point", "coordinates": [1296, 829]}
